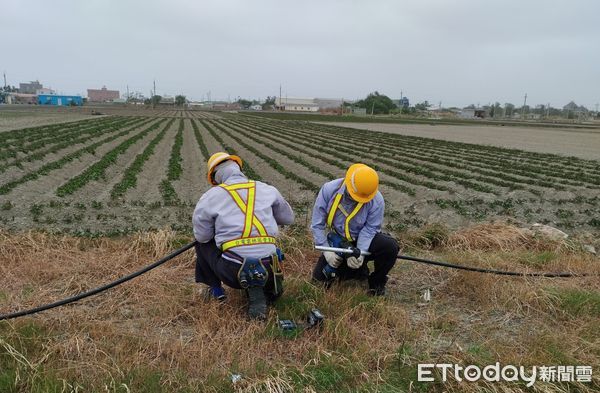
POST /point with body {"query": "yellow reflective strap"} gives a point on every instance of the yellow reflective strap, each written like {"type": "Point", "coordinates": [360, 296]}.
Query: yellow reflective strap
{"type": "Point", "coordinates": [238, 186]}
{"type": "Point", "coordinates": [249, 212]}
{"type": "Point", "coordinates": [334, 206]}
{"type": "Point", "coordinates": [259, 226]}
{"type": "Point", "coordinates": [350, 217]}
{"type": "Point", "coordinates": [247, 209]}
{"type": "Point", "coordinates": [248, 241]}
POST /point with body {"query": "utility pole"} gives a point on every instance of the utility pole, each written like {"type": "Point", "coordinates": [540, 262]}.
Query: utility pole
{"type": "Point", "coordinates": [5, 88]}
{"type": "Point", "coordinates": [548, 110]}
{"type": "Point", "coordinates": [127, 99]}
{"type": "Point", "coordinates": [280, 97]}
{"type": "Point", "coordinates": [523, 109]}
{"type": "Point", "coordinates": [154, 84]}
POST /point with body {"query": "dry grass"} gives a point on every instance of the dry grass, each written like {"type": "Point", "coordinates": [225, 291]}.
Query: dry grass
{"type": "Point", "coordinates": [156, 333]}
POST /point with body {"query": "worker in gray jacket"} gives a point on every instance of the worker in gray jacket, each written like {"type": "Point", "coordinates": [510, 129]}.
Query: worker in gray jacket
{"type": "Point", "coordinates": [349, 212]}
{"type": "Point", "coordinates": [236, 226]}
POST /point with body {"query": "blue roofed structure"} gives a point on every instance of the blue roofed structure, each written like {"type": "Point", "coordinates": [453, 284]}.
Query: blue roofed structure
{"type": "Point", "coordinates": [59, 100]}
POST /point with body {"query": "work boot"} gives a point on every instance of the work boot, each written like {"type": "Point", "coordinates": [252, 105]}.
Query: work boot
{"type": "Point", "coordinates": [376, 291]}
{"type": "Point", "coordinates": [376, 288]}
{"type": "Point", "coordinates": [257, 303]}
{"type": "Point", "coordinates": [217, 293]}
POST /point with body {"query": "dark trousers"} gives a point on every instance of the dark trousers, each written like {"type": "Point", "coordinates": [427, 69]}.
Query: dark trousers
{"type": "Point", "coordinates": [212, 269]}
{"type": "Point", "coordinates": [384, 250]}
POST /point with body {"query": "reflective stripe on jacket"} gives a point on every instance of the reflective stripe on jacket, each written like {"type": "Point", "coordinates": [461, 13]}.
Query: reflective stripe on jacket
{"type": "Point", "coordinates": [362, 227]}
{"type": "Point", "coordinates": [219, 215]}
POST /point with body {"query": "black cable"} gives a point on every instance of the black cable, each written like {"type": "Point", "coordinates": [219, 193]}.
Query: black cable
{"type": "Point", "coordinates": [491, 271]}
{"type": "Point", "coordinates": [99, 289]}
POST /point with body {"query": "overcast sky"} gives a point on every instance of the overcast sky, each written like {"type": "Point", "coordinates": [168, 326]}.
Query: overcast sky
{"type": "Point", "coordinates": [453, 51]}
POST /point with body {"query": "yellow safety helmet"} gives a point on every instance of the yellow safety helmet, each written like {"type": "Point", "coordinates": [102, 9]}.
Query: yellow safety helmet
{"type": "Point", "coordinates": [361, 182]}
{"type": "Point", "coordinates": [215, 160]}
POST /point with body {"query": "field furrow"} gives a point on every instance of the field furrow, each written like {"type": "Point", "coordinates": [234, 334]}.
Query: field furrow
{"type": "Point", "coordinates": [149, 178]}
{"type": "Point", "coordinates": [97, 180]}
{"type": "Point", "coordinates": [193, 179]}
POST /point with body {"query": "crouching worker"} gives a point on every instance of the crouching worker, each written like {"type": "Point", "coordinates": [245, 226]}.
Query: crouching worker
{"type": "Point", "coordinates": [348, 212]}
{"type": "Point", "coordinates": [235, 224]}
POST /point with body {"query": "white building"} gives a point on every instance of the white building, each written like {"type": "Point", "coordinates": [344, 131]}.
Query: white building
{"type": "Point", "coordinates": [256, 107]}
{"type": "Point", "coordinates": [296, 104]}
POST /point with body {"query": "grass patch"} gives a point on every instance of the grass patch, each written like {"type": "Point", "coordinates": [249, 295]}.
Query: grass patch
{"type": "Point", "coordinates": [577, 302]}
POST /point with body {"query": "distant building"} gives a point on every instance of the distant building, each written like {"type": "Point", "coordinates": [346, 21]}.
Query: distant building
{"type": "Point", "coordinates": [44, 91]}
{"type": "Point", "coordinates": [358, 111]}
{"type": "Point", "coordinates": [256, 107]}
{"type": "Point", "coordinates": [20, 98]}
{"type": "Point", "coordinates": [473, 113]}
{"type": "Point", "coordinates": [167, 100]}
{"type": "Point", "coordinates": [59, 100]}
{"type": "Point", "coordinates": [30, 88]}
{"type": "Point", "coordinates": [296, 104]}
{"type": "Point", "coordinates": [227, 106]}
{"type": "Point", "coordinates": [329, 103]}
{"type": "Point", "coordinates": [102, 95]}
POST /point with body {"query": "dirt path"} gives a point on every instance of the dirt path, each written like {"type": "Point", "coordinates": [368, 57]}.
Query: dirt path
{"type": "Point", "coordinates": [212, 145]}
{"type": "Point", "coordinates": [566, 142]}
{"type": "Point", "coordinates": [192, 182]}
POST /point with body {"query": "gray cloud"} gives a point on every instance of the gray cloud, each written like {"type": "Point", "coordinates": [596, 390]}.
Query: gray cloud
{"type": "Point", "coordinates": [457, 52]}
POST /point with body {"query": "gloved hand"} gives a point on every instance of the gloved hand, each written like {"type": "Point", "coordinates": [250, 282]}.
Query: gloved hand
{"type": "Point", "coordinates": [355, 263]}
{"type": "Point", "coordinates": [333, 259]}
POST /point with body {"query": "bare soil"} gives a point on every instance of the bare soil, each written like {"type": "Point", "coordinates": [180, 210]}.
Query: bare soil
{"type": "Point", "coordinates": [17, 119]}
{"type": "Point", "coordinates": [193, 182]}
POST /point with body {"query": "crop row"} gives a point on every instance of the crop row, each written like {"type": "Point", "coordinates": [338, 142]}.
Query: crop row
{"type": "Point", "coordinates": [68, 143]}
{"type": "Point", "coordinates": [491, 152]}
{"type": "Point", "coordinates": [57, 164]}
{"type": "Point", "coordinates": [96, 171]}
{"type": "Point", "coordinates": [416, 163]}
{"type": "Point", "coordinates": [31, 133]}
{"type": "Point", "coordinates": [174, 169]}
{"type": "Point", "coordinates": [499, 165]}
{"type": "Point", "coordinates": [311, 153]}
{"type": "Point", "coordinates": [270, 160]}
{"type": "Point", "coordinates": [198, 135]}
{"type": "Point", "coordinates": [129, 179]}
{"type": "Point", "coordinates": [556, 167]}
{"type": "Point", "coordinates": [247, 168]}
{"type": "Point", "coordinates": [11, 150]}
{"type": "Point", "coordinates": [426, 146]}
{"type": "Point", "coordinates": [353, 153]}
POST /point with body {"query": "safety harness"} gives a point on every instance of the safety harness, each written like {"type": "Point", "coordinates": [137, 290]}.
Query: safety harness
{"type": "Point", "coordinates": [335, 206]}
{"type": "Point", "coordinates": [250, 221]}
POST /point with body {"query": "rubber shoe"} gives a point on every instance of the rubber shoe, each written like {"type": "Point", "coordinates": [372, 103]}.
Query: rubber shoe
{"type": "Point", "coordinates": [257, 303]}
{"type": "Point", "coordinates": [376, 291]}
{"type": "Point", "coordinates": [217, 293]}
